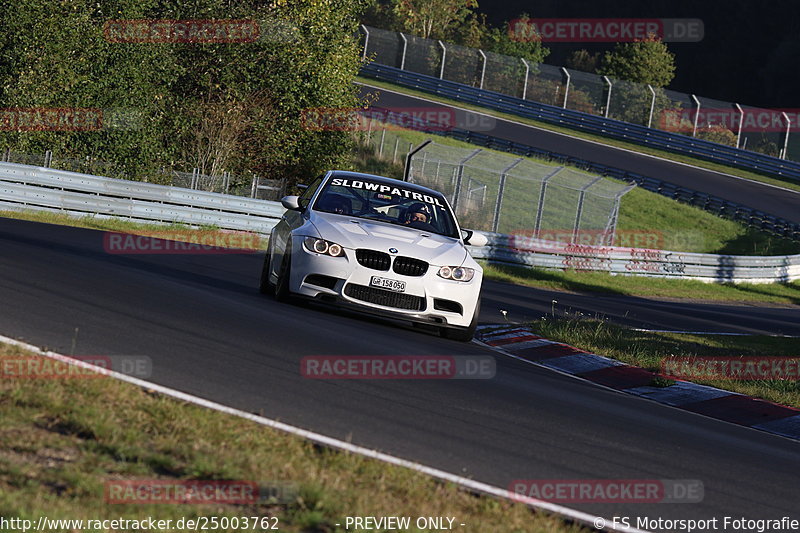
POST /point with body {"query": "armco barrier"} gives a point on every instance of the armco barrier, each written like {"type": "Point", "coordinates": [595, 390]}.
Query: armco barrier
{"type": "Point", "coordinates": [46, 189]}
{"type": "Point", "coordinates": [37, 188]}
{"type": "Point", "coordinates": [526, 251]}
{"type": "Point", "coordinates": [615, 129]}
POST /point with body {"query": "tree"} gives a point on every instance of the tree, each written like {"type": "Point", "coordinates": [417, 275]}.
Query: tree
{"type": "Point", "coordinates": [643, 61]}
{"type": "Point", "coordinates": [434, 19]}
{"type": "Point", "coordinates": [224, 105]}
{"type": "Point", "coordinates": [583, 60]}
{"type": "Point", "coordinates": [500, 41]}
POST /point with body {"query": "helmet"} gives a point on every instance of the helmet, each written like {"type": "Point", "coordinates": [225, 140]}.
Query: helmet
{"type": "Point", "coordinates": [418, 208]}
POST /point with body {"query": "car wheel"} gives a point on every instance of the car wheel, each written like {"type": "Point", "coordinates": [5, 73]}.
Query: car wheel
{"type": "Point", "coordinates": [266, 286]}
{"type": "Point", "coordinates": [282, 293]}
{"type": "Point", "coordinates": [463, 334]}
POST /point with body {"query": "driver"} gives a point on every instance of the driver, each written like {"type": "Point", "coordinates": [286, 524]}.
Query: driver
{"type": "Point", "coordinates": [418, 215]}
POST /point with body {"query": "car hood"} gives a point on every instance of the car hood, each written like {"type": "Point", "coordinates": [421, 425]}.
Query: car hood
{"type": "Point", "coordinates": [355, 233]}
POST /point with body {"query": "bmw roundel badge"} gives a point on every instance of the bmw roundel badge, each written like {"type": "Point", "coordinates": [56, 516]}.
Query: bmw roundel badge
{"type": "Point", "coordinates": [392, 250]}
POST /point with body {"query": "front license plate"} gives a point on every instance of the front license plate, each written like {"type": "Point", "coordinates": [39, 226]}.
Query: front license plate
{"type": "Point", "coordinates": [390, 284]}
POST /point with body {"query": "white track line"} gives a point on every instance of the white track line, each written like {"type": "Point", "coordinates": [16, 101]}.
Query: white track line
{"type": "Point", "coordinates": [580, 138]}
{"type": "Point", "coordinates": [477, 486]}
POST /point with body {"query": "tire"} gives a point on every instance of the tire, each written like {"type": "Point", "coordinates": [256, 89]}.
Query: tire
{"type": "Point", "coordinates": [282, 293]}
{"type": "Point", "coordinates": [266, 286]}
{"type": "Point", "coordinates": [463, 334]}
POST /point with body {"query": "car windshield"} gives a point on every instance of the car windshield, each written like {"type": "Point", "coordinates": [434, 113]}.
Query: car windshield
{"type": "Point", "coordinates": [382, 202]}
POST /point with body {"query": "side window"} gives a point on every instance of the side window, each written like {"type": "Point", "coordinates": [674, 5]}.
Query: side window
{"type": "Point", "coordinates": [305, 198]}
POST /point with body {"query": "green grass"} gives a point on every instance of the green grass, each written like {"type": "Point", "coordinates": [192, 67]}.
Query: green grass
{"type": "Point", "coordinates": [648, 350]}
{"type": "Point", "coordinates": [62, 439]}
{"type": "Point", "coordinates": [603, 282]}
{"type": "Point", "coordinates": [780, 182]}
{"type": "Point", "coordinates": [172, 232]}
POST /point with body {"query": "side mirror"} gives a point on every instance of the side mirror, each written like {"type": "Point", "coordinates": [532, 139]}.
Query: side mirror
{"type": "Point", "coordinates": [291, 203]}
{"type": "Point", "coordinates": [473, 238]}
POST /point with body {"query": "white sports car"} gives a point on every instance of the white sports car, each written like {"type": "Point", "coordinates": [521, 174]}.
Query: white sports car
{"type": "Point", "coordinates": [380, 245]}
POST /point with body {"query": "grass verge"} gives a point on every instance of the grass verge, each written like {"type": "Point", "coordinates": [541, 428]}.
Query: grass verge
{"type": "Point", "coordinates": [204, 235]}
{"type": "Point", "coordinates": [647, 350]}
{"type": "Point", "coordinates": [648, 287]}
{"type": "Point", "coordinates": [786, 183]}
{"type": "Point", "coordinates": [61, 440]}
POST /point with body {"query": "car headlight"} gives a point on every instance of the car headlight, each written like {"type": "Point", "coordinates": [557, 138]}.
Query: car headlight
{"type": "Point", "coordinates": [456, 273]}
{"type": "Point", "coordinates": [321, 246]}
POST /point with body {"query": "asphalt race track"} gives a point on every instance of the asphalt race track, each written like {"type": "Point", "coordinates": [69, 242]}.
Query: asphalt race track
{"type": "Point", "coordinates": [779, 202]}
{"type": "Point", "coordinates": [209, 333]}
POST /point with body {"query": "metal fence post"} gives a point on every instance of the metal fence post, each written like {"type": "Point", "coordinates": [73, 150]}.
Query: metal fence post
{"type": "Point", "coordinates": [405, 47]}
{"type": "Point", "coordinates": [460, 176]}
{"type": "Point", "coordinates": [542, 195]}
{"type": "Point", "coordinates": [499, 203]}
{"type": "Point", "coordinates": [48, 159]}
{"type": "Point", "coordinates": [581, 196]}
{"type": "Point", "coordinates": [483, 68]}
{"type": "Point", "coordinates": [741, 123]}
{"type": "Point", "coordinates": [525, 85]}
{"type": "Point", "coordinates": [366, 41]}
{"type": "Point", "coordinates": [7, 155]}
{"type": "Point", "coordinates": [380, 150]}
{"type": "Point", "coordinates": [253, 186]}
{"type": "Point", "coordinates": [696, 115]}
{"type": "Point", "coordinates": [566, 89]}
{"type": "Point", "coordinates": [786, 139]}
{"type": "Point", "coordinates": [444, 56]}
{"type": "Point", "coordinates": [608, 96]}
{"type": "Point", "coordinates": [652, 107]}
{"type": "Point", "coordinates": [396, 144]}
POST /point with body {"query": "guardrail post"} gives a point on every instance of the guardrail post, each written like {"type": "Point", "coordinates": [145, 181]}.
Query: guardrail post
{"type": "Point", "coordinates": [741, 123]}
{"type": "Point", "coordinates": [786, 139]}
{"type": "Point", "coordinates": [608, 96]}
{"type": "Point", "coordinates": [460, 176]}
{"type": "Point", "coordinates": [253, 186]}
{"type": "Point", "coordinates": [444, 56]}
{"type": "Point", "coordinates": [696, 115]}
{"type": "Point", "coordinates": [527, 72]}
{"type": "Point", "coordinates": [366, 41]}
{"type": "Point", "coordinates": [48, 159]}
{"type": "Point", "coordinates": [7, 155]}
{"type": "Point", "coordinates": [566, 88]}
{"type": "Point", "coordinates": [542, 195]}
{"type": "Point", "coordinates": [483, 68]}
{"type": "Point", "coordinates": [652, 107]}
{"type": "Point", "coordinates": [405, 47]}
{"type": "Point", "coordinates": [581, 196]}
{"type": "Point", "coordinates": [498, 204]}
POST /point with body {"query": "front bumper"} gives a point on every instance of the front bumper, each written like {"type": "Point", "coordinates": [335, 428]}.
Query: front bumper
{"type": "Point", "coordinates": [426, 299]}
